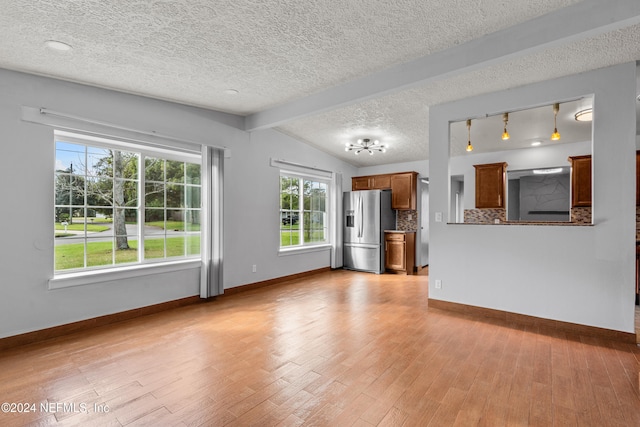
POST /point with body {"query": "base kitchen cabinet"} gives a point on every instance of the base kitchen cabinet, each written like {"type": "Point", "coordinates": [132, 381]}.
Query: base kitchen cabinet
{"type": "Point", "coordinates": [400, 249]}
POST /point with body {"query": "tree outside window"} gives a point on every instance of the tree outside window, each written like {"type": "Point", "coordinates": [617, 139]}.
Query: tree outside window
{"type": "Point", "coordinates": [103, 217]}
{"type": "Point", "coordinates": [303, 211]}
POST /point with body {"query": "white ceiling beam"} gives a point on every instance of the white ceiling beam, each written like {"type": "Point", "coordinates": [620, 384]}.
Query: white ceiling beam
{"type": "Point", "coordinates": [579, 21]}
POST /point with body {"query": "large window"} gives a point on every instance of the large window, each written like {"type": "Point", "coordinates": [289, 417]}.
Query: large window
{"type": "Point", "coordinates": [303, 211]}
{"type": "Point", "coordinates": [118, 204]}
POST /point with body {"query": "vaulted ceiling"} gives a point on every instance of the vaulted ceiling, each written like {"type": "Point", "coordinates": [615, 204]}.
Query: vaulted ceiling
{"type": "Point", "coordinates": [325, 72]}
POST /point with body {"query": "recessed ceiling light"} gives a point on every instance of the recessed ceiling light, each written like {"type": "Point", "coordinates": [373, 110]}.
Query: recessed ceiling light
{"type": "Point", "coordinates": [231, 92]}
{"type": "Point", "coordinates": [57, 45]}
{"type": "Point", "coordinates": [535, 143]}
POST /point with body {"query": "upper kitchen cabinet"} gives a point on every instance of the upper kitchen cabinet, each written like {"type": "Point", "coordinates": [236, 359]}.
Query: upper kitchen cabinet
{"type": "Point", "coordinates": [403, 191]}
{"type": "Point", "coordinates": [490, 185]}
{"type": "Point", "coordinates": [403, 187]}
{"type": "Point", "coordinates": [381, 182]}
{"type": "Point", "coordinates": [372, 182]}
{"type": "Point", "coordinates": [581, 181]}
{"type": "Point", "coordinates": [361, 183]}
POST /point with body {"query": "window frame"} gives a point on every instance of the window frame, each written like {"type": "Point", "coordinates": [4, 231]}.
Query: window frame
{"type": "Point", "coordinates": [305, 246]}
{"type": "Point", "coordinates": [114, 271]}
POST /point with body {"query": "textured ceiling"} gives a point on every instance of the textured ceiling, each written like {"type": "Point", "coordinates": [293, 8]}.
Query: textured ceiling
{"type": "Point", "coordinates": [275, 52]}
{"type": "Point", "coordinates": [401, 120]}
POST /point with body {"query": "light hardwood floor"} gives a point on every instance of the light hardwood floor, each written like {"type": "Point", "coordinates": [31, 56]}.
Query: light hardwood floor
{"type": "Point", "coordinates": [334, 349]}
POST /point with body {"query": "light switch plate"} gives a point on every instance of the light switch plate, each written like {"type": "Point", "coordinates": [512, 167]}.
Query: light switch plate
{"type": "Point", "coordinates": [438, 216]}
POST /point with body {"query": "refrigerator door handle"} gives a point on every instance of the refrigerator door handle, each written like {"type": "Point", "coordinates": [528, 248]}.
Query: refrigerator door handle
{"type": "Point", "coordinates": [357, 214]}
{"type": "Point", "coordinates": [361, 208]}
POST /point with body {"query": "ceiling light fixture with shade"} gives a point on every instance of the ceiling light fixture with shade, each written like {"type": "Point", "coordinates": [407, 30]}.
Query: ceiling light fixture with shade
{"type": "Point", "coordinates": [555, 136]}
{"type": "Point", "coordinates": [585, 115]}
{"type": "Point", "coordinates": [58, 45]}
{"type": "Point", "coordinates": [365, 144]}
{"type": "Point", "coordinates": [505, 134]}
{"type": "Point", "coordinates": [469, 146]}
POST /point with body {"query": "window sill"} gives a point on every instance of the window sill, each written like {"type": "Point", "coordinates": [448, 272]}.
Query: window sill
{"type": "Point", "coordinates": [80, 278]}
{"type": "Point", "coordinates": [303, 249]}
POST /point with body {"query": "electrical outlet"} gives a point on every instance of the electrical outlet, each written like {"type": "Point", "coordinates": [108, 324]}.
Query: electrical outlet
{"type": "Point", "coordinates": [438, 284]}
{"type": "Point", "coordinates": [438, 216]}
{"type": "Point", "coordinates": [409, 217]}
{"type": "Point", "coordinates": [253, 268]}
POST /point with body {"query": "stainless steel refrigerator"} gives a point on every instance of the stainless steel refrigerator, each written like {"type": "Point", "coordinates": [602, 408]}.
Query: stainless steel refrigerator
{"type": "Point", "coordinates": [367, 214]}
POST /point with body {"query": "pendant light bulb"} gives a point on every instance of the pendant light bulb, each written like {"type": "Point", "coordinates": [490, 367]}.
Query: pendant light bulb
{"type": "Point", "coordinates": [505, 134]}
{"type": "Point", "coordinates": [555, 136]}
{"type": "Point", "coordinates": [469, 146]}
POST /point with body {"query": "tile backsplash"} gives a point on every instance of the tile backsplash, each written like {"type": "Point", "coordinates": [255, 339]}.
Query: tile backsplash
{"type": "Point", "coordinates": [485, 216]}
{"type": "Point", "coordinates": [406, 220]}
{"type": "Point", "coordinates": [637, 222]}
{"type": "Point", "coordinates": [582, 215]}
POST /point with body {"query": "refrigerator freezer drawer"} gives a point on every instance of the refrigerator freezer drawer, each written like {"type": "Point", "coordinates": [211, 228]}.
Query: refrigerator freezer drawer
{"type": "Point", "coordinates": [363, 258]}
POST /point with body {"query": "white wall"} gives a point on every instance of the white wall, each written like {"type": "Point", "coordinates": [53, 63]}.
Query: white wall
{"type": "Point", "coordinates": [583, 274]}
{"type": "Point", "coordinates": [251, 207]}
{"type": "Point", "coordinates": [420, 166]}
{"type": "Point", "coordinates": [26, 255]}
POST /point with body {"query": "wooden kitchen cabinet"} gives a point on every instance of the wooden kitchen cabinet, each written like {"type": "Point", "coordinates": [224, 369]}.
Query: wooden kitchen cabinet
{"type": "Point", "coordinates": [580, 181]}
{"type": "Point", "coordinates": [381, 182]}
{"type": "Point", "coordinates": [400, 252]}
{"type": "Point", "coordinates": [403, 190]}
{"type": "Point", "coordinates": [361, 183]}
{"type": "Point", "coordinates": [371, 182]}
{"type": "Point", "coordinates": [403, 187]}
{"type": "Point", "coordinates": [490, 185]}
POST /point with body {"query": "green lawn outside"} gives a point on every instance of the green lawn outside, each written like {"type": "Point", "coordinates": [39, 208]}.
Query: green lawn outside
{"type": "Point", "coordinates": [101, 253]}
{"type": "Point", "coordinates": [174, 225]}
{"type": "Point", "coordinates": [291, 236]}
{"type": "Point", "coordinates": [94, 228]}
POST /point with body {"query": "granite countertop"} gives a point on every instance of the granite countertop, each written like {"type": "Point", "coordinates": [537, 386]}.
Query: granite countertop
{"type": "Point", "coordinates": [399, 231]}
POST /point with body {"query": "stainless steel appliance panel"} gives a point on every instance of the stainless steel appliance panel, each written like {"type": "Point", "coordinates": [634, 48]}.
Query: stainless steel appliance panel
{"type": "Point", "coordinates": [370, 232]}
{"type": "Point", "coordinates": [350, 205]}
{"type": "Point", "coordinates": [366, 215]}
{"type": "Point", "coordinates": [363, 258]}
